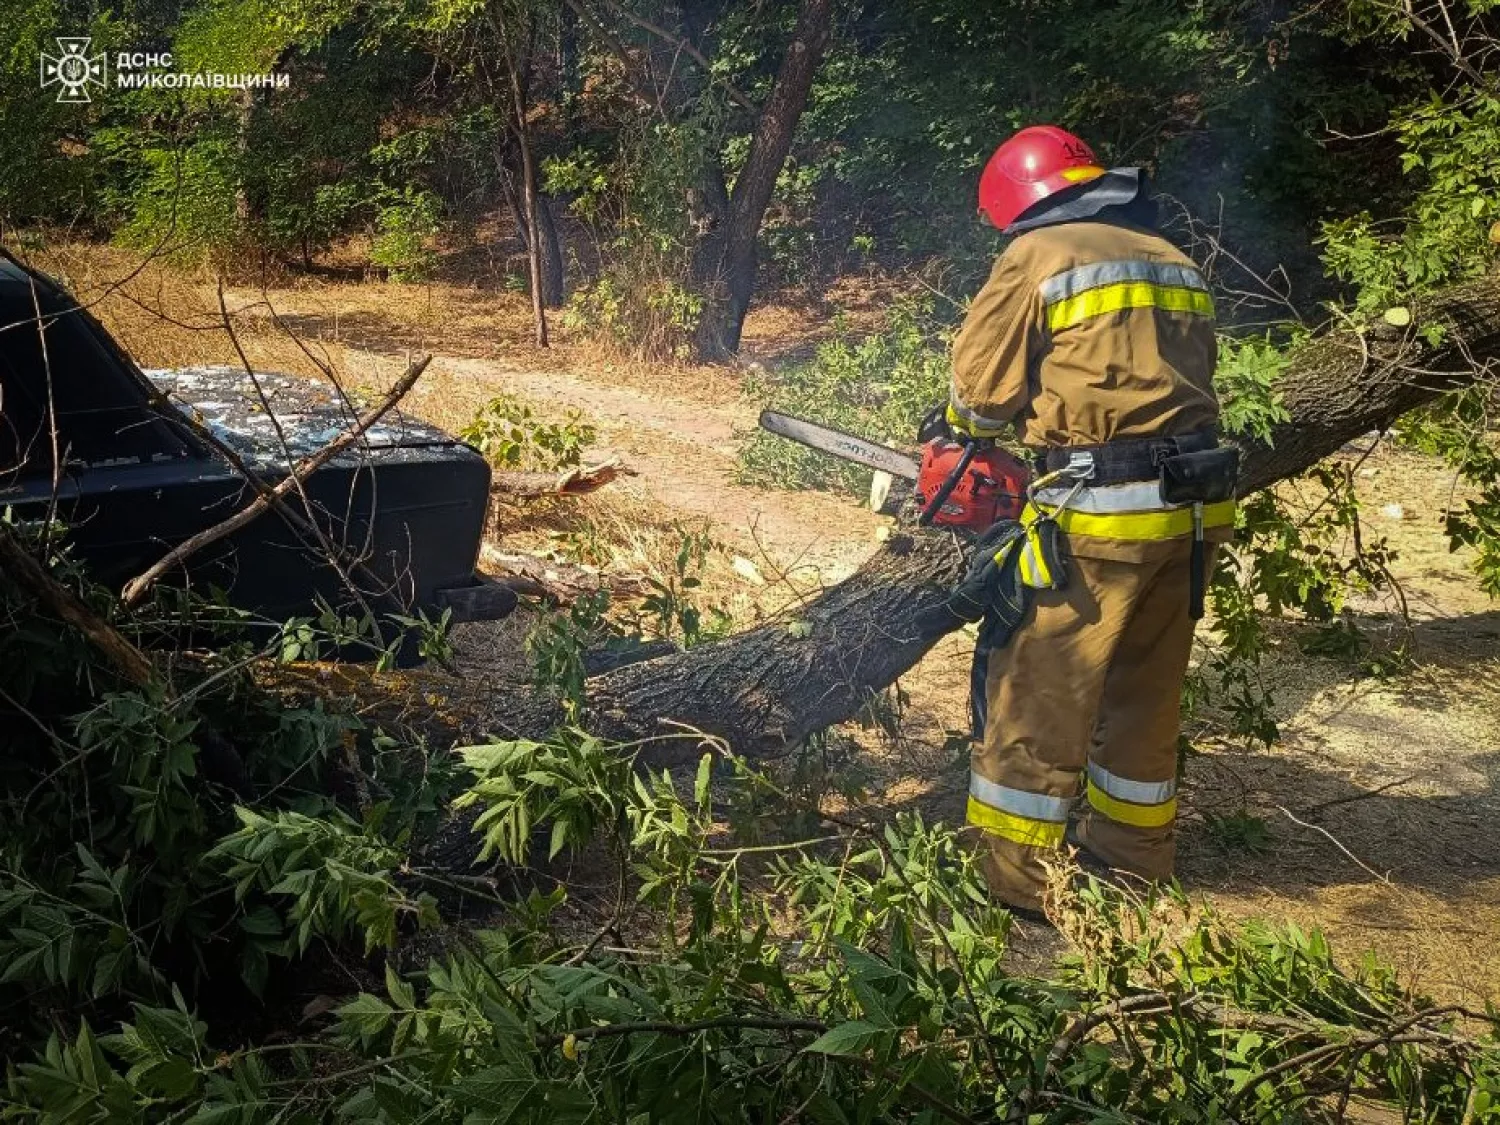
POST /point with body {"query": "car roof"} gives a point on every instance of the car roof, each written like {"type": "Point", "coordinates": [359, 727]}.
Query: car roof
{"type": "Point", "coordinates": [13, 273]}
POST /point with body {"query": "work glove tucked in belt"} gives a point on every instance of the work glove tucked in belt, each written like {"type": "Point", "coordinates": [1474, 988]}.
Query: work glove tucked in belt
{"type": "Point", "coordinates": [1006, 563]}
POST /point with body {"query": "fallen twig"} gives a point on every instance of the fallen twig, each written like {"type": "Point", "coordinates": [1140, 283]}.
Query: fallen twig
{"type": "Point", "coordinates": [1365, 796]}
{"type": "Point", "coordinates": [578, 481]}
{"type": "Point", "coordinates": [137, 587]}
{"type": "Point", "coordinates": [1332, 839]}
{"type": "Point", "coordinates": [560, 582]}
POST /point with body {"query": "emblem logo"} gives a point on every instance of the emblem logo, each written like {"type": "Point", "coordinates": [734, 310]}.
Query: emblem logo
{"type": "Point", "coordinates": [73, 71]}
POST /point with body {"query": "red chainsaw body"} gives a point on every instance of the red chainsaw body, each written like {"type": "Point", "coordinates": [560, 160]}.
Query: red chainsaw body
{"type": "Point", "coordinates": [993, 487]}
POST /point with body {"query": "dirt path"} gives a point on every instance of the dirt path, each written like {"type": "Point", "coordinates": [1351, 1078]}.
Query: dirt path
{"type": "Point", "coordinates": [683, 453]}
{"type": "Point", "coordinates": [676, 428]}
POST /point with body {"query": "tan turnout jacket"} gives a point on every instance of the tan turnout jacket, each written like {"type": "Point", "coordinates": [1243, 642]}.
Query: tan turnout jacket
{"type": "Point", "coordinates": [1087, 332]}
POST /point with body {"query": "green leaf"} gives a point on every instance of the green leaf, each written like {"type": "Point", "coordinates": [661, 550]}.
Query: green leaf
{"type": "Point", "coordinates": [173, 1079]}
{"type": "Point", "coordinates": [262, 921]}
{"type": "Point", "coordinates": [497, 1095]}
{"type": "Point", "coordinates": [366, 1016]}
{"type": "Point", "coordinates": [851, 1039]}
{"type": "Point", "coordinates": [401, 993]}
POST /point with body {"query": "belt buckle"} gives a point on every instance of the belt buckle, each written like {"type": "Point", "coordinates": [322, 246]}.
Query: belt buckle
{"type": "Point", "coordinates": [1080, 465]}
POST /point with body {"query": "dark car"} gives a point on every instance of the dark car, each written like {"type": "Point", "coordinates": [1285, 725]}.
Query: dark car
{"type": "Point", "coordinates": [405, 505]}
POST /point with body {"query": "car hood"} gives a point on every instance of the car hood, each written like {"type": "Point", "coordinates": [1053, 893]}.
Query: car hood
{"type": "Point", "coordinates": [307, 413]}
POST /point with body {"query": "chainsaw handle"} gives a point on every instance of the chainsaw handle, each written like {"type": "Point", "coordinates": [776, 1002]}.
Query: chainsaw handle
{"type": "Point", "coordinates": [940, 497]}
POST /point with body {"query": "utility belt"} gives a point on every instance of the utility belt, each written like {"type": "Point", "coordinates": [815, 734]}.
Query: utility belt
{"type": "Point", "coordinates": [1107, 490]}
{"type": "Point", "coordinates": [1130, 459]}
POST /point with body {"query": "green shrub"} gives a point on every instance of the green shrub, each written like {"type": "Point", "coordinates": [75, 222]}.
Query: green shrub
{"type": "Point", "coordinates": [508, 433]}
{"type": "Point", "coordinates": [878, 387]}
{"type": "Point", "coordinates": [404, 230]}
{"type": "Point", "coordinates": [187, 201]}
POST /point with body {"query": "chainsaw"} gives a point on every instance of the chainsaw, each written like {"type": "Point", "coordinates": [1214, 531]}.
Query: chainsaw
{"type": "Point", "coordinates": [967, 485]}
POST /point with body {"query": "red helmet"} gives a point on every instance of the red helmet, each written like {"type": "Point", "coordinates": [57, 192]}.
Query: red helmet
{"type": "Point", "coordinates": [1033, 164]}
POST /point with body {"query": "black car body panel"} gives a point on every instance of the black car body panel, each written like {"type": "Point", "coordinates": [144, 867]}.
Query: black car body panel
{"type": "Point", "coordinates": [131, 481]}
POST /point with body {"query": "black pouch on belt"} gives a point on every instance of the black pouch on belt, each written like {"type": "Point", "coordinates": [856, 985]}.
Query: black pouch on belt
{"type": "Point", "coordinates": [1206, 477]}
{"type": "Point", "coordinates": [1199, 478]}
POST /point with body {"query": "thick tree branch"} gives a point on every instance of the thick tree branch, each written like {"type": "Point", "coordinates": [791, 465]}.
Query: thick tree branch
{"type": "Point", "coordinates": [32, 577]}
{"type": "Point", "coordinates": [578, 481]}
{"type": "Point", "coordinates": [1343, 385]}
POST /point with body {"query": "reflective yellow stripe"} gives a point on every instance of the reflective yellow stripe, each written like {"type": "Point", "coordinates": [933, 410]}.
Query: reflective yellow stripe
{"type": "Point", "coordinates": [1082, 172]}
{"type": "Point", "coordinates": [1128, 295]}
{"type": "Point", "coordinates": [1033, 567]}
{"type": "Point", "coordinates": [1038, 558]}
{"type": "Point", "coordinates": [1019, 802]}
{"type": "Point", "coordinates": [972, 424]}
{"type": "Point", "coordinates": [1026, 569]}
{"type": "Point", "coordinates": [1137, 816]}
{"type": "Point", "coordinates": [1017, 829]}
{"type": "Point", "coordinates": [1167, 524]}
{"type": "Point", "coordinates": [1137, 792]}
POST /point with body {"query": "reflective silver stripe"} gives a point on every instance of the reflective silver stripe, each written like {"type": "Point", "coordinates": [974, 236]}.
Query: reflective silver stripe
{"type": "Point", "coordinates": [973, 417]}
{"type": "Point", "coordinates": [1018, 802]}
{"type": "Point", "coordinates": [1061, 286]}
{"type": "Point", "coordinates": [1136, 792]}
{"type": "Point", "coordinates": [1108, 499]}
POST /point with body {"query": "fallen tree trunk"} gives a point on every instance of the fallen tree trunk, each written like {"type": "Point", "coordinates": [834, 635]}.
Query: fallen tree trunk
{"type": "Point", "coordinates": [767, 688]}
{"type": "Point", "coordinates": [1343, 385]}
{"type": "Point", "coordinates": [772, 686]}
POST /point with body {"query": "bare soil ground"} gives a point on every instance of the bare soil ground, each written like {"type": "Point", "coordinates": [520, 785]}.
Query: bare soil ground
{"type": "Point", "coordinates": [1372, 819]}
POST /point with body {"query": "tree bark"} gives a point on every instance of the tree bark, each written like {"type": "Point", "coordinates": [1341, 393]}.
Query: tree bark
{"type": "Point", "coordinates": [533, 240]}
{"type": "Point", "coordinates": [553, 290]}
{"type": "Point", "coordinates": [1343, 385]}
{"type": "Point", "coordinates": [518, 54]}
{"type": "Point", "coordinates": [67, 607]}
{"type": "Point", "coordinates": [726, 261]}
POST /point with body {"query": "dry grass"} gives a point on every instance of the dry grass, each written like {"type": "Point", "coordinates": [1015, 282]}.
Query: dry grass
{"type": "Point", "coordinates": [167, 315]}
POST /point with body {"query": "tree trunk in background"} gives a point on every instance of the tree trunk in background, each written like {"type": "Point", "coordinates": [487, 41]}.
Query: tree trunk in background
{"type": "Point", "coordinates": [726, 259]}
{"type": "Point", "coordinates": [533, 225]}
{"type": "Point", "coordinates": [766, 689]}
{"type": "Point", "coordinates": [553, 291]}
{"type": "Point", "coordinates": [519, 46]}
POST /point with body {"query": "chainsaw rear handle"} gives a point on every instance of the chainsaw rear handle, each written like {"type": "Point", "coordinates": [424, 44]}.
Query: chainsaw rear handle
{"type": "Point", "coordinates": [940, 497]}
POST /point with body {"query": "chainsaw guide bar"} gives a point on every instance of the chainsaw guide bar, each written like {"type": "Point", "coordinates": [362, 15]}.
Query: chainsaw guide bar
{"type": "Point", "coordinates": [826, 439]}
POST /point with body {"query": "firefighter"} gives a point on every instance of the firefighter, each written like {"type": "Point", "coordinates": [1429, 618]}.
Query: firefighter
{"type": "Point", "coordinates": [1094, 338]}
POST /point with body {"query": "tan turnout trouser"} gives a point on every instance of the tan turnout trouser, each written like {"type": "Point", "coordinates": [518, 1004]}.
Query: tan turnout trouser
{"type": "Point", "coordinates": [1083, 708]}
